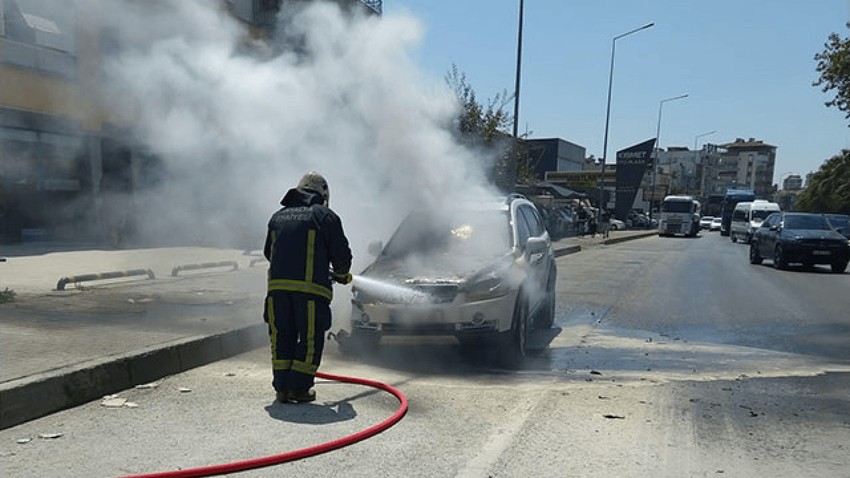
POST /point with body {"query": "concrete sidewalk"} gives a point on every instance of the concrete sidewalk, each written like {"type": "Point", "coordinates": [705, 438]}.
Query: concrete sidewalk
{"type": "Point", "coordinates": [62, 348]}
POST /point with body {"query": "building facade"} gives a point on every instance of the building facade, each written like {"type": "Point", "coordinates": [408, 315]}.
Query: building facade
{"type": "Point", "coordinates": [68, 168]}
{"type": "Point", "coordinates": [553, 154]}
{"type": "Point", "coordinates": [50, 122]}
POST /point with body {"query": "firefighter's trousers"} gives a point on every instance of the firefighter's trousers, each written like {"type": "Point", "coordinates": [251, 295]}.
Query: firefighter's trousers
{"type": "Point", "coordinates": [297, 324]}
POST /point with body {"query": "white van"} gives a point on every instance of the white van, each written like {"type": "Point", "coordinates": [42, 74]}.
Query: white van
{"type": "Point", "coordinates": [748, 216]}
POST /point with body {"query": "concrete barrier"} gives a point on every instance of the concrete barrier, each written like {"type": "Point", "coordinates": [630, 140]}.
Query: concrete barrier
{"type": "Point", "coordinates": [204, 265]}
{"type": "Point", "coordinates": [102, 276]}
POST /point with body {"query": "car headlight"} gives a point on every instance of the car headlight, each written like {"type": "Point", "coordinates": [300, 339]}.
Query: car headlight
{"type": "Point", "coordinates": [488, 287]}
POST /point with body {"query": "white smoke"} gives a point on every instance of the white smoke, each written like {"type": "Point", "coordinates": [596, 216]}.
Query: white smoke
{"type": "Point", "coordinates": [235, 131]}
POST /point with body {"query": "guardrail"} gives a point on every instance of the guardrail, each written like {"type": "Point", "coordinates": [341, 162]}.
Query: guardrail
{"type": "Point", "coordinates": [101, 276]}
{"type": "Point", "coordinates": [204, 265]}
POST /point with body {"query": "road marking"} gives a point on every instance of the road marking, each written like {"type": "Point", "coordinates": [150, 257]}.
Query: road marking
{"type": "Point", "coordinates": [498, 443]}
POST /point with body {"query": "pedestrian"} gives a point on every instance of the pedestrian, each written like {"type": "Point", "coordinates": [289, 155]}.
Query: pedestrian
{"type": "Point", "coordinates": [582, 220]}
{"type": "Point", "coordinates": [591, 223]}
{"type": "Point", "coordinates": [605, 225]}
{"type": "Point", "coordinates": [305, 238]}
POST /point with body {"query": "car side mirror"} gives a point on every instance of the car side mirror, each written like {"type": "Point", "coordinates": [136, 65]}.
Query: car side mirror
{"type": "Point", "coordinates": [774, 227]}
{"type": "Point", "coordinates": [536, 245]}
{"type": "Point", "coordinates": [375, 248]}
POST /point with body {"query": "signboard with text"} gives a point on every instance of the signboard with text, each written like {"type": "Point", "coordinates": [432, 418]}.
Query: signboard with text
{"type": "Point", "coordinates": [632, 165]}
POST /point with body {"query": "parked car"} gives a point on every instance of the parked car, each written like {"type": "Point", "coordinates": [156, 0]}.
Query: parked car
{"type": "Point", "coordinates": [617, 225]}
{"type": "Point", "coordinates": [705, 222]}
{"type": "Point", "coordinates": [483, 274]}
{"type": "Point", "coordinates": [799, 237]}
{"type": "Point", "coordinates": [639, 220]}
{"type": "Point", "coordinates": [840, 222]}
{"type": "Point", "coordinates": [715, 224]}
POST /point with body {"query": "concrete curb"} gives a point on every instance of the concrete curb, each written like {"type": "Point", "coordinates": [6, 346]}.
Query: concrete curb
{"type": "Point", "coordinates": [615, 240]}
{"type": "Point", "coordinates": [571, 249]}
{"type": "Point", "coordinates": [38, 395]}
{"type": "Point", "coordinates": [563, 251]}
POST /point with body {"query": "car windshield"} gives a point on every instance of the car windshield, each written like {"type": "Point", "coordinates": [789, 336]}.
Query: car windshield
{"type": "Point", "coordinates": [676, 206]}
{"type": "Point", "coordinates": [761, 214]}
{"type": "Point", "coordinates": [463, 234]}
{"type": "Point", "coordinates": [806, 222]}
{"type": "Point", "coordinates": [839, 221]}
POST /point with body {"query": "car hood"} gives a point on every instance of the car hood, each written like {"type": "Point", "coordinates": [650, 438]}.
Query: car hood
{"type": "Point", "coordinates": [433, 268]}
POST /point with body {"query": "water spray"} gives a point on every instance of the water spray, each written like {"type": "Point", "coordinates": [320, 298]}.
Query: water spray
{"type": "Point", "coordinates": [389, 292]}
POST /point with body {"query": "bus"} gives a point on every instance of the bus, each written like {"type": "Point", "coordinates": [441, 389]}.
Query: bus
{"type": "Point", "coordinates": [680, 214]}
{"type": "Point", "coordinates": [730, 200]}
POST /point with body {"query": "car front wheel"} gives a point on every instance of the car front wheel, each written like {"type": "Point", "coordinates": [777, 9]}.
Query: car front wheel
{"type": "Point", "coordinates": [358, 342]}
{"type": "Point", "coordinates": [839, 267]}
{"type": "Point", "coordinates": [515, 341]}
{"type": "Point", "coordinates": [755, 258]}
{"type": "Point", "coordinates": [779, 260]}
{"type": "Point", "coordinates": [546, 316]}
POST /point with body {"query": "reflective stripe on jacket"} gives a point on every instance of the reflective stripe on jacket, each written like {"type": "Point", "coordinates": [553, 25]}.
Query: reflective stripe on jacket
{"type": "Point", "coordinates": [304, 240]}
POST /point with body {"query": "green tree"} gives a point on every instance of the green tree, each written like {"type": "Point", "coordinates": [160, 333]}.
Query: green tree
{"type": "Point", "coordinates": [828, 190]}
{"type": "Point", "coordinates": [833, 64]}
{"type": "Point", "coordinates": [484, 127]}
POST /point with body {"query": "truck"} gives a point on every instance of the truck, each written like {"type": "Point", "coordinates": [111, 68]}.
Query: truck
{"type": "Point", "coordinates": [679, 214]}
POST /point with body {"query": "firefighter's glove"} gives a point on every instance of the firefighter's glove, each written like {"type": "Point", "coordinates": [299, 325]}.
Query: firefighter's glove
{"type": "Point", "coordinates": [342, 278]}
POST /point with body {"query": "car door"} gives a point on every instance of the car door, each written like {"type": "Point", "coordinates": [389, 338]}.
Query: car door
{"type": "Point", "coordinates": [769, 234]}
{"type": "Point", "coordinates": [537, 251]}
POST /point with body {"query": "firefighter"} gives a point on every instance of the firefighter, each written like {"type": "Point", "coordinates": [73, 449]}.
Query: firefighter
{"type": "Point", "coordinates": [305, 238]}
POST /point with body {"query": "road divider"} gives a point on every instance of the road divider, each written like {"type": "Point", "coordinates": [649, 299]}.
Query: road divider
{"type": "Point", "coordinates": [204, 265]}
{"type": "Point", "coordinates": [102, 276]}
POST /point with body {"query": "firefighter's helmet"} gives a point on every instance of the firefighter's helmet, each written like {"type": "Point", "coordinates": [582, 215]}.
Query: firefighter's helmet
{"type": "Point", "coordinates": [316, 182]}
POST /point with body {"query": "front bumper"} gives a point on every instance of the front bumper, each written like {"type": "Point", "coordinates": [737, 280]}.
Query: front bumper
{"type": "Point", "coordinates": [459, 317]}
{"type": "Point", "coordinates": [816, 253]}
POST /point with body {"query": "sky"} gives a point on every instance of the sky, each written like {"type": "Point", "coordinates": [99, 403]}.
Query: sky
{"type": "Point", "coordinates": [747, 67]}
{"type": "Point", "coordinates": [365, 103]}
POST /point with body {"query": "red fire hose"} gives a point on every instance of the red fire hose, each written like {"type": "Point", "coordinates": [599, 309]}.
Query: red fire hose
{"type": "Point", "coordinates": [304, 452]}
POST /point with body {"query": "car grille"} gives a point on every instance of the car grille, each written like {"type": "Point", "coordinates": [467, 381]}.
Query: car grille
{"type": "Point", "coordinates": [438, 293]}
{"type": "Point", "coordinates": [822, 244]}
{"type": "Point", "coordinates": [433, 294]}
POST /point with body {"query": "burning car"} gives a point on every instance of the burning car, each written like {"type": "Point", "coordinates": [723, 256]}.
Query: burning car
{"type": "Point", "coordinates": [484, 274]}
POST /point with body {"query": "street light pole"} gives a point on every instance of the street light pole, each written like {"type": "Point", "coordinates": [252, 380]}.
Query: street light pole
{"type": "Point", "coordinates": [608, 116]}
{"type": "Point", "coordinates": [657, 145]}
{"type": "Point", "coordinates": [700, 136]}
{"type": "Point", "coordinates": [518, 65]}
{"type": "Point", "coordinates": [698, 161]}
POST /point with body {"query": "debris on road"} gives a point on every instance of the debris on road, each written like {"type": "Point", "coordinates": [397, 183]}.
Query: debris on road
{"type": "Point", "coordinates": [113, 401]}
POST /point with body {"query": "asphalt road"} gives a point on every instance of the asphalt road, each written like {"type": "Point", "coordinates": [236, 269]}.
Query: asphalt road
{"type": "Point", "coordinates": [675, 357]}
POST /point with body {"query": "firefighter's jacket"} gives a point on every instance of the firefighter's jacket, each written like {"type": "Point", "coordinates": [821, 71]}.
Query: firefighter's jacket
{"type": "Point", "coordinates": [304, 240]}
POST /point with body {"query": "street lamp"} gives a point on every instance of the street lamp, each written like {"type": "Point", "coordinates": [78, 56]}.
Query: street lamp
{"type": "Point", "coordinates": [700, 136]}
{"type": "Point", "coordinates": [518, 64]}
{"type": "Point", "coordinates": [608, 116]}
{"type": "Point", "coordinates": [657, 144]}
{"type": "Point", "coordinates": [698, 161]}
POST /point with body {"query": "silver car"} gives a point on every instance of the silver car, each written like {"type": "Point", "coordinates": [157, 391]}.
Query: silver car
{"type": "Point", "coordinates": [484, 274]}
